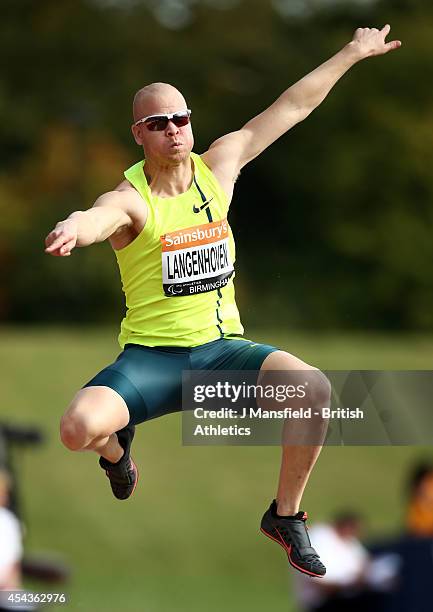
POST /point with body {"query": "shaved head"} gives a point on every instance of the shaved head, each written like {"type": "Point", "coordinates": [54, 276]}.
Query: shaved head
{"type": "Point", "coordinates": [157, 98]}
{"type": "Point", "coordinates": [170, 146]}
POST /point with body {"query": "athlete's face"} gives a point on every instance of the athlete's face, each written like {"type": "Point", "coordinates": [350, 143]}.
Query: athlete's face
{"type": "Point", "coordinates": [425, 490]}
{"type": "Point", "coordinates": [171, 145]}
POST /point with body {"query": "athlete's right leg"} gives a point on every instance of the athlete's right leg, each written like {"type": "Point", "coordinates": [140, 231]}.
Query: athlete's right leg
{"type": "Point", "coordinates": [91, 420]}
{"type": "Point", "coordinates": [143, 383]}
{"type": "Point", "coordinates": [98, 419]}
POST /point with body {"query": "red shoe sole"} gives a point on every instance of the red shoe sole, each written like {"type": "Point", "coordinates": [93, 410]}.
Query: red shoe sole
{"type": "Point", "coordinates": [136, 479]}
{"type": "Point", "coordinates": [288, 550]}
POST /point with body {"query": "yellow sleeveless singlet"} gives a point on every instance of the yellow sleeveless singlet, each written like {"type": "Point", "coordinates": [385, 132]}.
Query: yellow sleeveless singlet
{"type": "Point", "coordinates": [177, 274]}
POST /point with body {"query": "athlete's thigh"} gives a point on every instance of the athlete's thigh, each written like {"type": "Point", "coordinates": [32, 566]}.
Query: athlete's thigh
{"type": "Point", "coordinates": [267, 364]}
{"type": "Point", "coordinates": [101, 409]}
{"type": "Point", "coordinates": [149, 379]}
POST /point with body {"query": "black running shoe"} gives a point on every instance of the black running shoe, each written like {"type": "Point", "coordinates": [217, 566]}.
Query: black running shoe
{"type": "Point", "coordinates": [291, 534]}
{"type": "Point", "coordinates": [123, 475]}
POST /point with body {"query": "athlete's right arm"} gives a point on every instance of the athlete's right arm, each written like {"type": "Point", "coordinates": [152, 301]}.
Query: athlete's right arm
{"type": "Point", "coordinates": [112, 212]}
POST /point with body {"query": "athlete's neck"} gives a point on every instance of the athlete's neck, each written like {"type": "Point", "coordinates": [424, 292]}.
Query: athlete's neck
{"type": "Point", "coordinates": [168, 181]}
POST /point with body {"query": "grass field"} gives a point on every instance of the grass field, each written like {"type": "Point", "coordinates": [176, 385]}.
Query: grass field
{"type": "Point", "coordinates": [188, 540]}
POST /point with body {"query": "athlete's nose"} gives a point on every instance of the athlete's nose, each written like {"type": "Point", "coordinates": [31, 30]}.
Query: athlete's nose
{"type": "Point", "coordinates": [171, 129]}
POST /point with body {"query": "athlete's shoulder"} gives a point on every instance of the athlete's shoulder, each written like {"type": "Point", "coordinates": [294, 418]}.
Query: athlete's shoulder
{"type": "Point", "coordinates": [126, 186]}
{"type": "Point", "coordinates": [126, 197]}
{"type": "Point", "coordinates": [223, 179]}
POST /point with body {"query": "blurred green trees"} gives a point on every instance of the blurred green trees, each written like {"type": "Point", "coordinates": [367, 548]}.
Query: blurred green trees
{"type": "Point", "coordinates": [333, 223]}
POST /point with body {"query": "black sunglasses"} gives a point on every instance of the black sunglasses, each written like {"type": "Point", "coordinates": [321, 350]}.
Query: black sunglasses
{"type": "Point", "coordinates": [157, 123]}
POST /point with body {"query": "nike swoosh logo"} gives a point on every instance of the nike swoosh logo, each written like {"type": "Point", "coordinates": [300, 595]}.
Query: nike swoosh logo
{"type": "Point", "coordinates": [197, 209]}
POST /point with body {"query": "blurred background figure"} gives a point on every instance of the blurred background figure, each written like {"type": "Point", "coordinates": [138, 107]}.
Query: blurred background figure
{"type": "Point", "coordinates": [413, 589]}
{"type": "Point", "coordinates": [346, 562]}
{"type": "Point", "coordinates": [11, 548]}
{"type": "Point", "coordinates": [419, 518]}
{"type": "Point", "coordinates": [16, 567]}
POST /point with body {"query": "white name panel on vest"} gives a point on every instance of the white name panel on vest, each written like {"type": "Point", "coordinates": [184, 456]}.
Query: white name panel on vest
{"type": "Point", "coordinates": [196, 259]}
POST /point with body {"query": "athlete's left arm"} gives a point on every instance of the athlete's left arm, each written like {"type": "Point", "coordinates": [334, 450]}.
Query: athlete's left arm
{"type": "Point", "coordinates": [227, 155]}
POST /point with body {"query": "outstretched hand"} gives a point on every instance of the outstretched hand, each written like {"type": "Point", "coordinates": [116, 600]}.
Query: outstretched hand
{"type": "Point", "coordinates": [368, 42]}
{"type": "Point", "coordinates": [62, 239]}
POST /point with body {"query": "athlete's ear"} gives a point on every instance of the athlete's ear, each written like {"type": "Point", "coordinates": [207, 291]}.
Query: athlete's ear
{"type": "Point", "coordinates": [136, 131]}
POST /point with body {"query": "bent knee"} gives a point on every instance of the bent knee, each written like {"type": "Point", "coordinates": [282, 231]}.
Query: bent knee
{"type": "Point", "coordinates": [75, 430]}
{"type": "Point", "coordinates": [319, 389]}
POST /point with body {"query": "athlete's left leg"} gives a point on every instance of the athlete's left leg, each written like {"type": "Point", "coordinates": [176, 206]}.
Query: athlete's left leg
{"type": "Point", "coordinates": [298, 460]}
{"type": "Point", "coordinates": [283, 522]}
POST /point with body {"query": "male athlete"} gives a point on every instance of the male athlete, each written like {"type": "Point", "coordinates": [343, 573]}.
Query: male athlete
{"type": "Point", "coordinates": [167, 223]}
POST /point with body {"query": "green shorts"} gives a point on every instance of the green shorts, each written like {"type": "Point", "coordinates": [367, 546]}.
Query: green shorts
{"type": "Point", "coordinates": [150, 378]}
